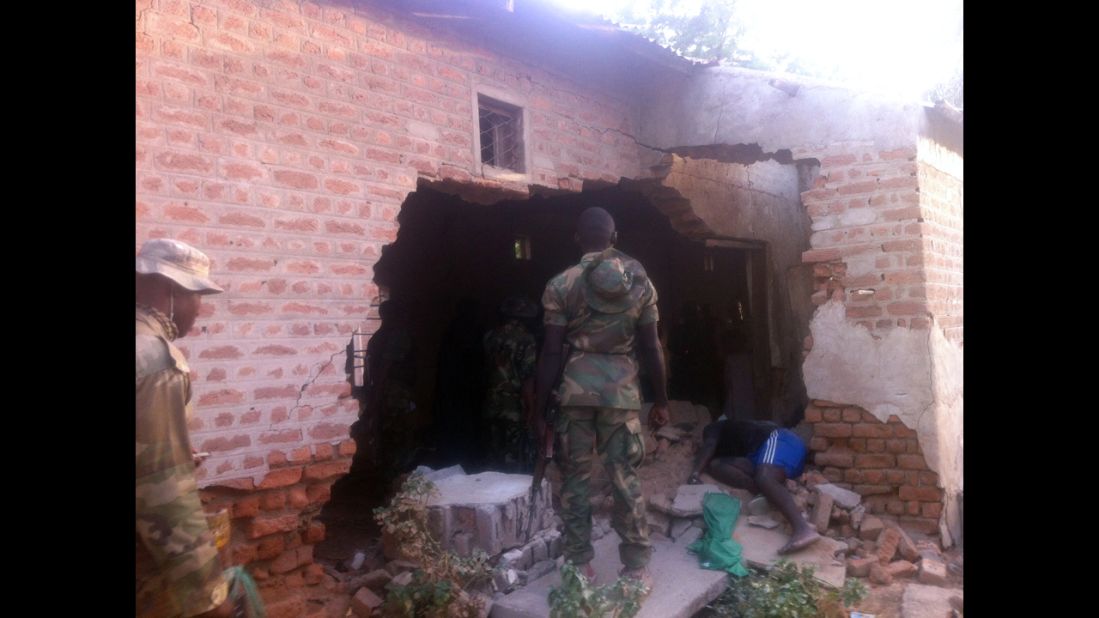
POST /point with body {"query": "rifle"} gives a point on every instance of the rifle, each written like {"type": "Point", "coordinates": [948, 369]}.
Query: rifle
{"type": "Point", "coordinates": [545, 442]}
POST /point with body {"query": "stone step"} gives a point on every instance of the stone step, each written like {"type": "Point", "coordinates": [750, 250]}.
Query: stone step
{"type": "Point", "coordinates": [681, 588]}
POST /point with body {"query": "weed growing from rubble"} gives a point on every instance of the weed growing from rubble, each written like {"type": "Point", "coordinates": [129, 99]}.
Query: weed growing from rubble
{"type": "Point", "coordinates": [577, 598]}
{"type": "Point", "coordinates": [438, 587]}
{"type": "Point", "coordinates": [786, 592]}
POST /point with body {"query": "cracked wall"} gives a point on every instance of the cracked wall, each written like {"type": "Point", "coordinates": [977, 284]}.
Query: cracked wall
{"type": "Point", "coordinates": [282, 141]}
{"type": "Point", "coordinates": [288, 166]}
{"type": "Point", "coordinates": [732, 204]}
{"type": "Point", "coordinates": [940, 162]}
{"type": "Point", "coordinates": [885, 251]}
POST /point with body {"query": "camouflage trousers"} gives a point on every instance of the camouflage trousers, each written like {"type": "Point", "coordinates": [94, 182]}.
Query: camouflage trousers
{"type": "Point", "coordinates": [510, 446]}
{"type": "Point", "coordinates": [616, 434]}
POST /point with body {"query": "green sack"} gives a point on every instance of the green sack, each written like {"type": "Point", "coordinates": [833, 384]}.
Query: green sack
{"type": "Point", "coordinates": [244, 595]}
{"type": "Point", "coordinates": [717, 550]}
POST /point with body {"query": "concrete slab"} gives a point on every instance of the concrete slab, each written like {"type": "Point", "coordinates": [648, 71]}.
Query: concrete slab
{"type": "Point", "coordinates": [763, 521]}
{"type": "Point", "coordinates": [483, 488]}
{"type": "Point", "coordinates": [845, 498]}
{"type": "Point", "coordinates": [443, 473]}
{"type": "Point", "coordinates": [761, 550]}
{"type": "Point", "coordinates": [921, 601]}
{"type": "Point", "coordinates": [688, 498]}
{"type": "Point", "coordinates": [681, 587]}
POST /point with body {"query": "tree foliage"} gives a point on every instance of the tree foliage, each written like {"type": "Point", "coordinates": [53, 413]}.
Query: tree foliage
{"type": "Point", "coordinates": [710, 30]}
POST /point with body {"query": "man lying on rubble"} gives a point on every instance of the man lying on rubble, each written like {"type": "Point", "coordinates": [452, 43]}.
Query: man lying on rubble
{"type": "Point", "coordinates": [757, 456]}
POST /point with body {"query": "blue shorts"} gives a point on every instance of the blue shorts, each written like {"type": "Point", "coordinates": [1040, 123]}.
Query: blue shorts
{"type": "Point", "coordinates": [785, 449]}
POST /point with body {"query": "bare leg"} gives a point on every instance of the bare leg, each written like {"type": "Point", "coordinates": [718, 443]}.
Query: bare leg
{"type": "Point", "coordinates": [771, 481]}
{"type": "Point", "coordinates": [734, 471]}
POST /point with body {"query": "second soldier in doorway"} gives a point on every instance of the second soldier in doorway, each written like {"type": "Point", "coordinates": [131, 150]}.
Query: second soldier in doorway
{"type": "Point", "coordinates": [510, 358]}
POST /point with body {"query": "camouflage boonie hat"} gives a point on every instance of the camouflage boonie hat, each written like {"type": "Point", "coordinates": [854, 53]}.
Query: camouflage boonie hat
{"type": "Point", "coordinates": [518, 307]}
{"type": "Point", "coordinates": [611, 285]}
{"type": "Point", "coordinates": [179, 262]}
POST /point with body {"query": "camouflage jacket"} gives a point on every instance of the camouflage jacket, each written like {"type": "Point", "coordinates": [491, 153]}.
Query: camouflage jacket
{"type": "Point", "coordinates": [510, 356]}
{"type": "Point", "coordinates": [602, 367]}
{"type": "Point", "coordinates": [178, 570]}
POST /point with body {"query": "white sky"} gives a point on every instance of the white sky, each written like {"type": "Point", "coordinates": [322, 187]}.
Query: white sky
{"type": "Point", "coordinates": [899, 47]}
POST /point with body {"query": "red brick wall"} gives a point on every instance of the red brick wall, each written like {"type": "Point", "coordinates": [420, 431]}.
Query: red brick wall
{"type": "Point", "coordinates": [871, 233]}
{"type": "Point", "coordinates": [281, 138]}
{"type": "Point", "coordinates": [941, 206]}
{"type": "Point", "coordinates": [883, 462]}
{"type": "Point", "coordinates": [865, 206]}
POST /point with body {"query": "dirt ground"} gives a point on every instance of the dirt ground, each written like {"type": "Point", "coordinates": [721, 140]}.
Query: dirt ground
{"type": "Point", "coordinates": [351, 530]}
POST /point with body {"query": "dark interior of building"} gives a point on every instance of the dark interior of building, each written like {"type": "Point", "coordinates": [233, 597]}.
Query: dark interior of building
{"type": "Point", "coordinates": [455, 261]}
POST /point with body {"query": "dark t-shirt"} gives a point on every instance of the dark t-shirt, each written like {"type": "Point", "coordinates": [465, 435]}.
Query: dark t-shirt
{"type": "Point", "coordinates": [737, 438]}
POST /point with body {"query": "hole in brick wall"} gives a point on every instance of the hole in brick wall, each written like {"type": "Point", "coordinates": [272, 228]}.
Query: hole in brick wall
{"type": "Point", "coordinates": [453, 263]}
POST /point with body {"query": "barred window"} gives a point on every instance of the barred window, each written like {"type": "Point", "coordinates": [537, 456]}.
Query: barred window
{"type": "Point", "coordinates": [501, 134]}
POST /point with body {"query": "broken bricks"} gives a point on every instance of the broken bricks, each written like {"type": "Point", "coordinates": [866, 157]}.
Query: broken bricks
{"type": "Point", "coordinates": [365, 602]}
{"type": "Point", "coordinates": [888, 541]}
{"type": "Point", "coordinates": [822, 512]}
{"type": "Point", "coordinates": [932, 572]}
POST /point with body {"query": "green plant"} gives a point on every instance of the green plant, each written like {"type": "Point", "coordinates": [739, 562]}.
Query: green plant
{"type": "Point", "coordinates": [438, 587]}
{"type": "Point", "coordinates": [787, 591]}
{"type": "Point", "coordinates": [576, 597]}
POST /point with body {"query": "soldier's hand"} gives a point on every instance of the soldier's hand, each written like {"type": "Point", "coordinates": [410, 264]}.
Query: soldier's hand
{"type": "Point", "coordinates": [658, 416]}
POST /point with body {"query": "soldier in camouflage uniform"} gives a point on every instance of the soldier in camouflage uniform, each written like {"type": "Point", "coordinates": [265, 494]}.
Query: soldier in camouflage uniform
{"type": "Point", "coordinates": [178, 569]}
{"type": "Point", "coordinates": [601, 307]}
{"type": "Point", "coordinates": [511, 357]}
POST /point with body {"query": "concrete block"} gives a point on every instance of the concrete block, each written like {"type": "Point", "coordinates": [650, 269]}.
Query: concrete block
{"type": "Point", "coordinates": [932, 573]}
{"type": "Point", "coordinates": [553, 543]}
{"type": "Point", "coordinates": [930, 601]}
{"type": "Point", "coordinates": [857, 515]}
{"type": "Point", "coordinates": [365, 602]}
{"type": "Point", "coordinates": [376, 579]}
{"type": "Point", "coordinates": [763, 521]}
{"type": "Point", "coordinates": [527, 558]}
{"type": "Point", "coordinates": [688, 499]}
{"type": "Point", "coordinates": [505, 578]}
{"type": "Point", "coordinates": [399, 581]}
{"type": "Point", "coordinates": [871, 528]}
{"type": "Point", "coordinates": [512, 559]}
{"type": "Point", "coordinates": [487, 511]}
{"type": "Point", "coordinates": [538, 550]}
{"type": "Point", "coordinates": [462, 544]}
{"type": "Point", "coordinates": [822, 512]}
{"type": "Point", "coordinates": [860, 567]}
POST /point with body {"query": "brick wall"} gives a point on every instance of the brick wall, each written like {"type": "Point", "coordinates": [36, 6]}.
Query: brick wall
{"type": "Point", "coordinates": [281, 138]}
{"type": "Point", "coordinates": [875, 249]}
{"type": "Point", "coordinates": [883, 462]}
{"type": "Point", "coordinates": [941, 207]}
{"type": "Point", "coordinates": [867, 240]}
